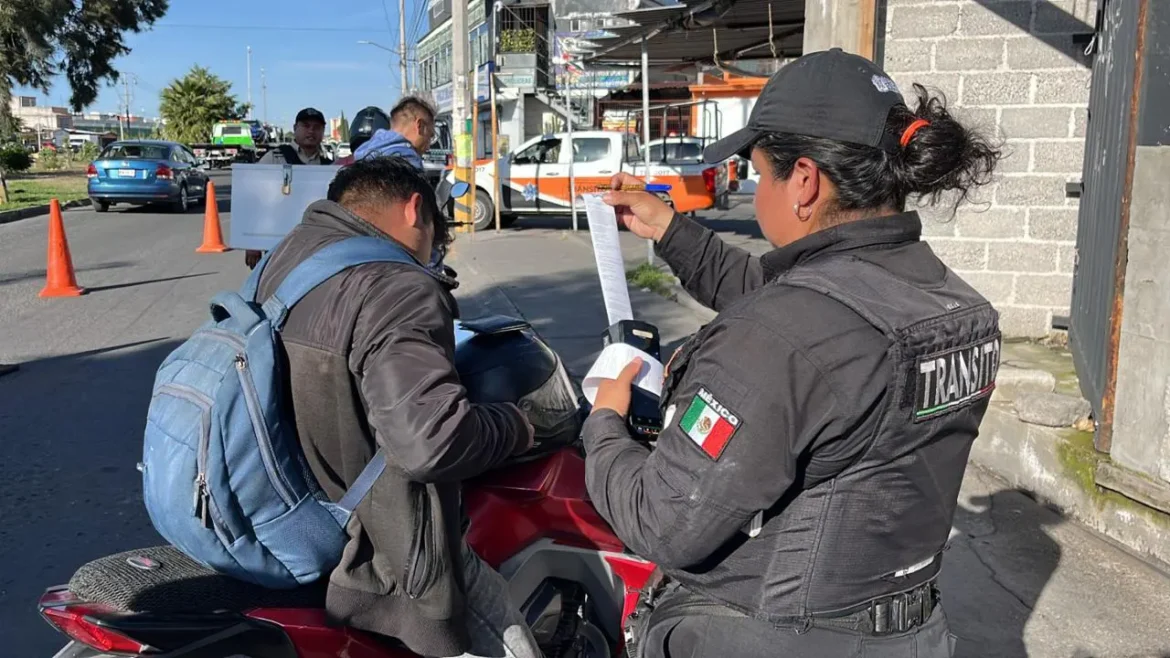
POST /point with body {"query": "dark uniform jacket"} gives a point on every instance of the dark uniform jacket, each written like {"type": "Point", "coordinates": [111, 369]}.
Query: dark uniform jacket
{"type": "Point", "coordinates": [370, 362]}
{"type": "Point", "coordinates": [834, 399]}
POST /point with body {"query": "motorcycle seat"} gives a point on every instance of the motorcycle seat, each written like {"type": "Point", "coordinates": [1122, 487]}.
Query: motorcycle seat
{"type": "Point", "coordinates": [163, 580]}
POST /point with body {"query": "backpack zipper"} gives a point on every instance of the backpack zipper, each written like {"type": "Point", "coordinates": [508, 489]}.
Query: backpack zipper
{"type": "Point", "coordinates": [260, 429]}
{"type": "Point", "coordinates": [203, 505]}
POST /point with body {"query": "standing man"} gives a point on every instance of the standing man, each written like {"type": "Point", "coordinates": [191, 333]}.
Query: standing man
{"type": "Point", "coordinates": [412, 129]}
{"type": "Point", "coordinates": [308, 132]}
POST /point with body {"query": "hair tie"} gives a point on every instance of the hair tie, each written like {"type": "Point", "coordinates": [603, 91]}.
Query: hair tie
{"type": "Point", "coordinates": [908, 134]}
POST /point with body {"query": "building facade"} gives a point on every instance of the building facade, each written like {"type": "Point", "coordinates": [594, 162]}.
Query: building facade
{"type": "Point", "coordinates": [1018, 69]}
{"type": "Point", "coordinates": [513, 43]}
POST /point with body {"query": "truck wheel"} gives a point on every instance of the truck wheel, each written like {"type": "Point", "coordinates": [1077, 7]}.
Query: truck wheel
{"type": "Point", "coordinates": [483, 213]}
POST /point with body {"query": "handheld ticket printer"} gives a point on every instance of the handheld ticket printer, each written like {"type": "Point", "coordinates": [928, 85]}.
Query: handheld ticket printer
{"type": "Point", "coordinates": [645, 417]}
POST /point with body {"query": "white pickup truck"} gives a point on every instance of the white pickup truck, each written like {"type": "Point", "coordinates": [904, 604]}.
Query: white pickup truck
{"type": "Point", "coordinates": [535, 178]}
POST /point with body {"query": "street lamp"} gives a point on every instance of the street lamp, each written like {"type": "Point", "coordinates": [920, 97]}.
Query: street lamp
{"type": "Point", "coordinates": [377, 45]}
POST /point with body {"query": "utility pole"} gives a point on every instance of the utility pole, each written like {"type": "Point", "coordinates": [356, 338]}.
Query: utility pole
{"type": "Point", "coordinates": [460, 118]}
{"type": "Point", "coordinates": [402, 46]}
{"type": "Point", "coordinates": [264, 94]}
{"type": "Point", "coordinates": [126, 88]}
{"type": "Point", "coordinates": [249, 82]}
{"type": "Point", "coordinates": [646, 131]}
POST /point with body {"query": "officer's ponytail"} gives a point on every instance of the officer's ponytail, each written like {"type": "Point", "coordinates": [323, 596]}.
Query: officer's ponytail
{"type": "Point", "coordinates": [939, 155]}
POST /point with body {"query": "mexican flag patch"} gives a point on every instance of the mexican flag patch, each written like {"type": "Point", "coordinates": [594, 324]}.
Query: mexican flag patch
{"type": "Point", "coordinates": [709, 424]}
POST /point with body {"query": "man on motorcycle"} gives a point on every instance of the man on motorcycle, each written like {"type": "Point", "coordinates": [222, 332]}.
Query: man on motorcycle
{"type": "Point", "coordinates": [370, 364]}
{"type": "Point", "coordinates": [411, 131]}
{"type": "Point", "coordinates": [365, 124]}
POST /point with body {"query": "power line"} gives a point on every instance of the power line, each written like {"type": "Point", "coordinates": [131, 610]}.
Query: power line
{"type": "Point", "coordinates": [261, 28]}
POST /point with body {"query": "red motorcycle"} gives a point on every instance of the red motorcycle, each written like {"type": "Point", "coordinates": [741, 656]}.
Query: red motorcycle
{"type": "Point", "coordinates": [531, 519]}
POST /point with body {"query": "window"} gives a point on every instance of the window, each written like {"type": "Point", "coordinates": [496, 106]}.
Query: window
{"type": "Point", "coordinates": [232, 130]}
{"type": "Point", "coordinates": [590, 149]}
{"type": "Point", "coordinates": [633, 154]}
{"type": "Point", "coordinates": [544, 152]}
{"type": "Point", "coordinates": [134, 152]}
{"type": "Point", "coordinates": [677, 151]}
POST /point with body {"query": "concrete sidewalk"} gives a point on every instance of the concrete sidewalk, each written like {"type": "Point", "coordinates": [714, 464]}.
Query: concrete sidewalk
{"type": "Point", "coordinates": [1019, 579]}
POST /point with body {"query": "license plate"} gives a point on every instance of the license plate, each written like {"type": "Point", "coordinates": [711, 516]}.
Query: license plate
{"type": "Point", "coordinates": [127, 173]}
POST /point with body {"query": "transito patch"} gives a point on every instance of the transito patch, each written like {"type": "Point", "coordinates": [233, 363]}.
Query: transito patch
{"type": "Point", "coordinates": [709, 423]}
{"type": "Point", "coordinates": [950, 380]}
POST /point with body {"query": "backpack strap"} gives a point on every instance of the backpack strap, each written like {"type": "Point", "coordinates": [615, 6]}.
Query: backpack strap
{"type": "Point", "coordinates": [324, 264]}
{"type": "Point", "coordinates": [310, 273]}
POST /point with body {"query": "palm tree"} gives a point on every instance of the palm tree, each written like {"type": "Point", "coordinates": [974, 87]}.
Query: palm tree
{"type": "Point", "coordinates": [191, 104]}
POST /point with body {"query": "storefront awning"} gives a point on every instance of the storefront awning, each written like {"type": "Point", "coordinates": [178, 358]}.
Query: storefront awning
{"type": "Point", "coordinates": [706, 30]}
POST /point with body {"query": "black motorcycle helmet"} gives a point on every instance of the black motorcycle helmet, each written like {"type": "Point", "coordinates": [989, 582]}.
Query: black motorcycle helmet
{"type": "Point", "coordinates": [365, 123]}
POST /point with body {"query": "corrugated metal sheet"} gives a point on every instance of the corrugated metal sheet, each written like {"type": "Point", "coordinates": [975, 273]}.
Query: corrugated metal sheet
{"type": "Point", "coordinates": [1096, 294]}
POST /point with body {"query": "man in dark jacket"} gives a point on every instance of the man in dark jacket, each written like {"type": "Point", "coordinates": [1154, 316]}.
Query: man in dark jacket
{"type": "Point", "coordinates": [308, 132]}
{"type": "Point", "coordinates": [370, 361]}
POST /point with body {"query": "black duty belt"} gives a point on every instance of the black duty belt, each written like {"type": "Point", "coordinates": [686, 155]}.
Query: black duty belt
{"type": "Point", "coordinates": [888, 615]}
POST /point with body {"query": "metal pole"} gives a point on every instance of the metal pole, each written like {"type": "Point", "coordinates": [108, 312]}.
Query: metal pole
{"type": "Point", "coordinates": [402, 45]}
{"type": "Point", "coordinates": [249, 82]}
{"type": "Point", "coordinates": [460, 118]}
{"type": "Point", "coordinates": [474, 140]}
{"type": "Point", "coordinates": [264, 94]}
{"type": "Point", "coordinates": [646, 132]}
{"type": "Point", "coordinates": [495, 148]}
{"type": "Point", "coordinates": [572, 155]}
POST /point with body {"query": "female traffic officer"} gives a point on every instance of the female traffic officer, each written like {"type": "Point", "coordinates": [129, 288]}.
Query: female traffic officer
{"type": "Point", "coordinates": [816, 431]}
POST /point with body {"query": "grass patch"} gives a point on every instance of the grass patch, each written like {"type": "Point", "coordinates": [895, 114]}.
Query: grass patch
{"type": "Point", "coordinates": [651, 278]}
{"type": "Point", "coordinates": [23, 193]}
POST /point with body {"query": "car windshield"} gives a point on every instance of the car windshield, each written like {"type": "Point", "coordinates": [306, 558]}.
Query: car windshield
{"type": "Point", "coordinates": [677, 151]}
{"type": "Point", "coordinates": [135, 152]}
{"type": "Point", "coordinates": [232, 130]}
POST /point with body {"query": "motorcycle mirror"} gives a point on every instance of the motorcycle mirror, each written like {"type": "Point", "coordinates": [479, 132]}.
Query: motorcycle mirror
{"type": "Point", "coordinates": [459, 189]}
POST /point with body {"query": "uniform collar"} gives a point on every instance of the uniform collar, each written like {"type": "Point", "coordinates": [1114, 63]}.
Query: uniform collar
{"type": "Point", "coordinates": [861, 234]}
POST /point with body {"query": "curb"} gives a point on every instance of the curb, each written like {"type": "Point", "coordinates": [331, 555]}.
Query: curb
{"type": "Point", "coordinates": [24, 213]}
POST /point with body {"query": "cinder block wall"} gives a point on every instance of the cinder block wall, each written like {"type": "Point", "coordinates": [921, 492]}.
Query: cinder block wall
{"type": "Point", "coordinates": [1010, 67]}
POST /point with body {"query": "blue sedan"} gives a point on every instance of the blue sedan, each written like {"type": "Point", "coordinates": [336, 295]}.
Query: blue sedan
{"type": "Point", "coordinates": [147, 171]}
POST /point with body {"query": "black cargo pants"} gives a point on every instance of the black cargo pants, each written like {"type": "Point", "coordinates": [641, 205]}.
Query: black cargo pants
{"type": "Point", "coordinates": [716, 636]}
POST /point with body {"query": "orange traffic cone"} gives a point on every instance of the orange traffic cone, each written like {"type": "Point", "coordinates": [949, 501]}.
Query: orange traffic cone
{"type": "Point", "coordinates": [212, 235]}
{"type": "Point", "coordinates": [59, 279]}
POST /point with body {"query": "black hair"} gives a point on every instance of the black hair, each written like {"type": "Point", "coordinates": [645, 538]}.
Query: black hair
{"type": "Point", "coordinates": [942, 156]}
{"type": "Point", "coordinates": [384, 180]}
{"type": "Point", "coordinates": [412, 107]}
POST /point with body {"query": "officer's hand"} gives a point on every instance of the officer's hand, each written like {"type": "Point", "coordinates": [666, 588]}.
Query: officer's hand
{"type": "Point", "coordinates": [615, 394]}
{"type": "Point", "coordinates": [642, 212]}
{"type": "Point", "coordinates": [530, 434]}
{"type": "Point", "coordinates": [251, 257]}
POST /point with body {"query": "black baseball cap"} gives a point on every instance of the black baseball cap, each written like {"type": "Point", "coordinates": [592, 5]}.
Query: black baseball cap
{"type": "Point", "coordinates": [310, 114]}
{"type": "Point", "coordinates": [830, 94]}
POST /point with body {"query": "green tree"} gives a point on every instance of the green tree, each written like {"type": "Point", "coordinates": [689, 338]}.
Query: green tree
{"type": "Point", "coordinates": [88, 152]}
{"type": "Point", "coordinates": [43, 39]}
{"type": "Point", "coordinates": [344, 128]}
{"type": "Point", "coordinates": [192, 103]}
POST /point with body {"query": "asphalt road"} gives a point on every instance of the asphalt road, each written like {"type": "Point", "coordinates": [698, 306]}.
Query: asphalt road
{"type": "Point", "coordinates": [71, 418]}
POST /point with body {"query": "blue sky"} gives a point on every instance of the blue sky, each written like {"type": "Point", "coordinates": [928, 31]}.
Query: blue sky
{"type": "Point", "coordinates": [319, 63]}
